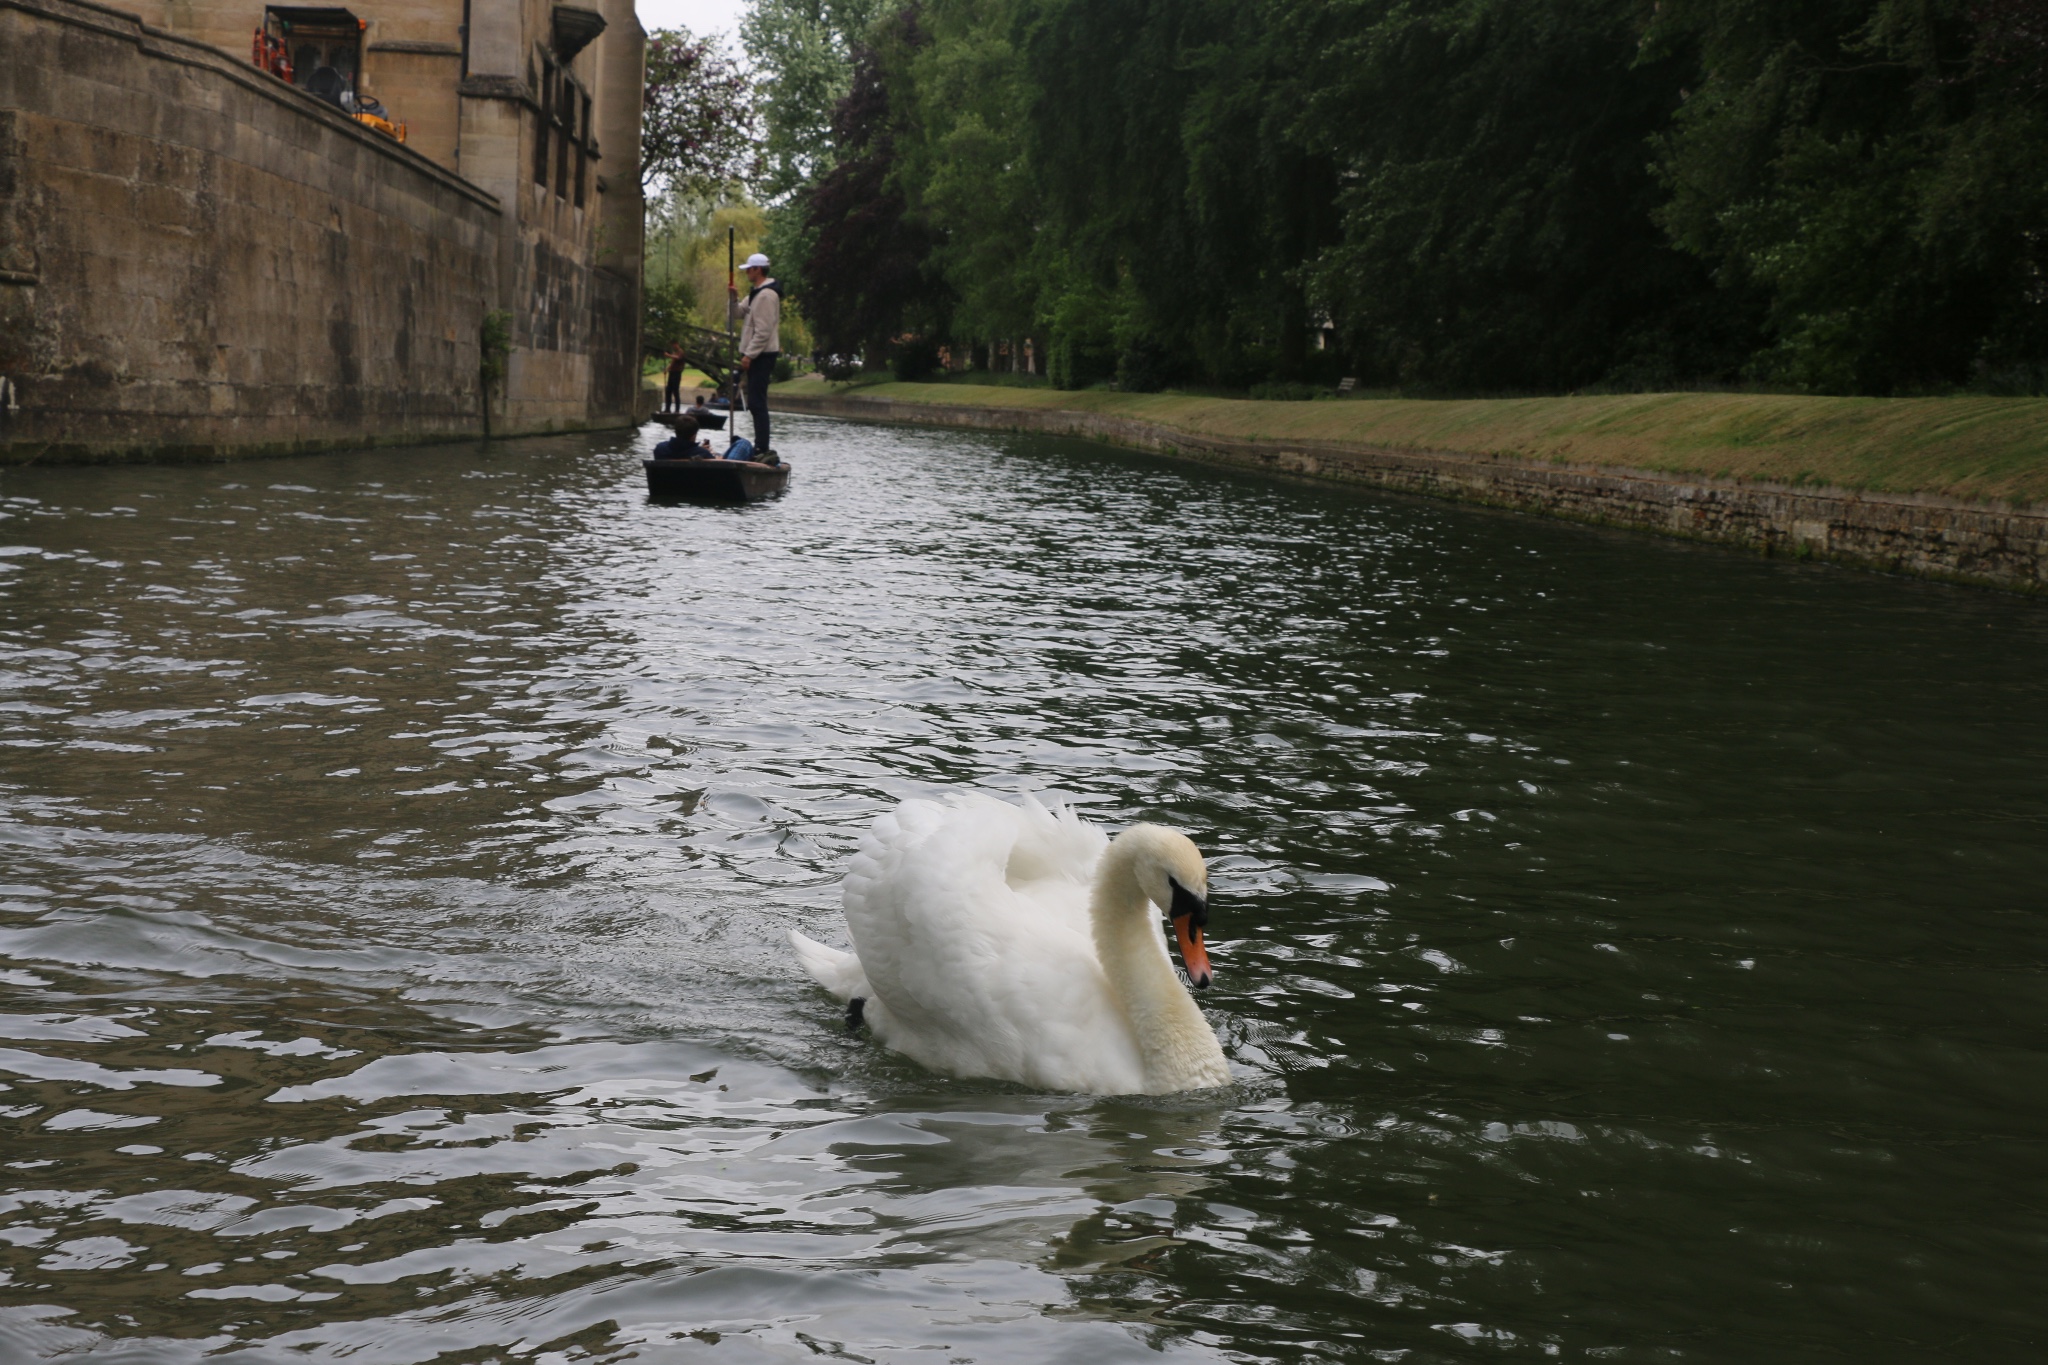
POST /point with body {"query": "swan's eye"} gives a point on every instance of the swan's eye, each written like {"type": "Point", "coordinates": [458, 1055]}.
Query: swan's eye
{"type": "Point", "coordinates": [1186, 902]}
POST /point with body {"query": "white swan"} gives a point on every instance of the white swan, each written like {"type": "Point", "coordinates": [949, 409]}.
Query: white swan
{"type": "Point", "coordinates": [1020, 944]}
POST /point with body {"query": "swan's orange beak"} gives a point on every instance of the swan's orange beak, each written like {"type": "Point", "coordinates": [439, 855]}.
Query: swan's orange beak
{"type": "Point", "coordinates": [1192, 955]}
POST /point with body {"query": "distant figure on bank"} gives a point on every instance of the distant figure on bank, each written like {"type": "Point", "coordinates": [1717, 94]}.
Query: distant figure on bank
{"type": "Point", "coordinates": [672, 400]}
{"type": "Point", "coordinates": [760, 342]}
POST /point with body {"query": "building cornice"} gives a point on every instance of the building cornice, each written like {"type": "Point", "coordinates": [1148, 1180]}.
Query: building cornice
{"type": "Point", "coordinates": [417, 47]}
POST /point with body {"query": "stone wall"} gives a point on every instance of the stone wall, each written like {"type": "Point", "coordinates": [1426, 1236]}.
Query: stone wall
{"type": "Point", "coordinates": [199, 260]}
{"type": "Point", "coordinates": [572, 260]}
{"type": "Point", "coordinates": [1927, 536]}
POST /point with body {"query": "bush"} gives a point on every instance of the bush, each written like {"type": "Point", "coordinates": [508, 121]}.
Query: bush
{"type": "Point", "coordinates": [785, 369]}
{"type": "Point", "coordinates": [914, 359]}
{"type": "Point", "coordinates": [494, 346]}
{"type": "Point", "coordinates": [1286, 391]}
{"type": "Point", "coordinates": [1077, 362]}
{"type": "Point", "coordinates": [838, 368]}
{"type": "Point", "coordinates": [1323, 368]}
{"type": "Point", "coordinates": [1081, 350]}
{"type": "Point", "coordinates": [1142, 367]}
{"type": "Point", "coordinates": [1059, 363]}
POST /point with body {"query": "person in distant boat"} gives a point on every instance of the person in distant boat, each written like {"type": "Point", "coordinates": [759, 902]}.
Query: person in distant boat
{"type": "Point", "coordinates": [672, 400]}
{"type": "Point", "coordinates": [699, 411]}
{"type": "Point", "coordinates": [760, 342]}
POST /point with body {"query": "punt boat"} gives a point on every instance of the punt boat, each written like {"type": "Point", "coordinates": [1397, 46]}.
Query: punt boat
{"type": "Point", "coordinates": [714, 480]}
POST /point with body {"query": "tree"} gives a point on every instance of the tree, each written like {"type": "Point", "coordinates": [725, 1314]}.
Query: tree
{"type": "Point", "coordinates": [2012, 35]}
{"type": "Point", "coordinates": [868, 269]}
{"type": "Point", "coordinates": [698, 125]}
{"type": "Point", "coordinates": [689, 239]}
{"type": "Point", "coordinates": [1873, 168]}
{"type": "Point", "coordinates": [804, 50]}
{"type": "Point", "coordinates": [690, 242]}
{"type": "Point", "coordinates": [964, 164]}
{"type": "Point", "coordinates": [1496, 208]}
{"type": "Point", "coordinates": [1465, 195]}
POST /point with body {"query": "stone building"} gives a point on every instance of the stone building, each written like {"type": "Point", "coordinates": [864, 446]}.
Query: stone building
{"type": "Point", "coordinates": [229, 227]}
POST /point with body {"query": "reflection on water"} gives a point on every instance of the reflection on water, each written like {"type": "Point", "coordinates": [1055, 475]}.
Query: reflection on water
{"type": "Point", "coordinates": [1627, 952]}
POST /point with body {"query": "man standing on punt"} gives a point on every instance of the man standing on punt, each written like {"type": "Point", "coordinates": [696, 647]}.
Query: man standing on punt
{"type": "Point", "coordinates": [760, 343]}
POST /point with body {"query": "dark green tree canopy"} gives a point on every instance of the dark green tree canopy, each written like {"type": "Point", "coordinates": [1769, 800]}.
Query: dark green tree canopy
{"type": "Point", "coordinates": [867, 272]}
{"type": "Point", "coordinates": [1444, 195]}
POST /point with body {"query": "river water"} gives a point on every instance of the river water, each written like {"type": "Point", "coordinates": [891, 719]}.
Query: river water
{"type": "Point", "coordinates": [1626, 951]}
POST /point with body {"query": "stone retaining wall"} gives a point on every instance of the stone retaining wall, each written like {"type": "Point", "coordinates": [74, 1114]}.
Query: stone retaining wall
{"type": "Point", "coordinates": [1927, 536]}
{"type": "Point", "coordinates": [198, 260]}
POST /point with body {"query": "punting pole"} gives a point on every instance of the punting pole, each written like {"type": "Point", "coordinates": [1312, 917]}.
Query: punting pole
{"type": "Point", "coordinates": [732, 347]}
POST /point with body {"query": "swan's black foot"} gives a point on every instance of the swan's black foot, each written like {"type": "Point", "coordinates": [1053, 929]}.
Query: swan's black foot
{"type": "Point", "coordinates": [856, 1010]}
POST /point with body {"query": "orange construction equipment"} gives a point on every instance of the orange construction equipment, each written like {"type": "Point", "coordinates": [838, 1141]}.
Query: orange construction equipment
{"type": "Point", "coordinates": [269, 55]}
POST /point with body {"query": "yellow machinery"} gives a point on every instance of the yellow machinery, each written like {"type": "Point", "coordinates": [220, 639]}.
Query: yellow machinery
{"type": "Point", "coordinates": [380, 124]}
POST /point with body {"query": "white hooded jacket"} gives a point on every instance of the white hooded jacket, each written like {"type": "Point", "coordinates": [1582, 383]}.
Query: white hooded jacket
{"type": "Point", "coordinates": [761, 320]}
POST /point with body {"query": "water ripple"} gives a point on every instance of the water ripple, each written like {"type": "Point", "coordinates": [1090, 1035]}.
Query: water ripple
{"type": "Point", "coordinates": [1626, 952]}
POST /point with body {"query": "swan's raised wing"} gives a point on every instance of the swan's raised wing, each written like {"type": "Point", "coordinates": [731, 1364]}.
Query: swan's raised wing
{"type": "Point", "coordinates": [1052, 843]}
{"type": "Point", "coordinates": [1052, 860]}
{"type": "Point", "coordinates": [981, 977]}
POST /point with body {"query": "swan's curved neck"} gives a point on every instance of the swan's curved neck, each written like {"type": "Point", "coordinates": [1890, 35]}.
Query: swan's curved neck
{"type": "Point", "coordinates": [1172, 1035]}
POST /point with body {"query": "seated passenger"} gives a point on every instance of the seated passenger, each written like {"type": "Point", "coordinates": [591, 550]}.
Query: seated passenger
{"type": "Point", "coordinates": [681, 445]}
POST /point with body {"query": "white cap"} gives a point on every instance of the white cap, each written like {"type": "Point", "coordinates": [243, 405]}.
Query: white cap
{"type": "Point", "coordinates": [754, 261]}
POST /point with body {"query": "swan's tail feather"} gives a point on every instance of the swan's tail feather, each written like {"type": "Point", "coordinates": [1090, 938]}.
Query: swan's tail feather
{"type": "Point", "coordinates": [839, 973]}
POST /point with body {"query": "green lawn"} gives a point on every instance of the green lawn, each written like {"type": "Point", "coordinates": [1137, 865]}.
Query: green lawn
{"type": "Point", "coordinates": [694, 381]}
{"type": "Point", "coordinates": [1982, 449]}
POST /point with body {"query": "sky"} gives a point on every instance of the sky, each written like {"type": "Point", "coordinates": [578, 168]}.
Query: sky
{"type": "Point", "coordinates": [698, 16]}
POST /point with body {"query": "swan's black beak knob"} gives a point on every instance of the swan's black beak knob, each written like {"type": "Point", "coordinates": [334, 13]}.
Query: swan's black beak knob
{"type": "Point", "coordinates": [1190, 914]}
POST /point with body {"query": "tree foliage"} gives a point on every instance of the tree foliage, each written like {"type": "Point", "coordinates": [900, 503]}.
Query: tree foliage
{"type": "Point", "coordinates": [868, 262]}
{"type": "Point", "coordinates": [1495, 226]}
{"type": "Point", "coordinates": [691, 241]}
{"type": "Point", "coordinates": [698, 123]}
{"type": "Point", "coordinates": [1445, 195]}
{"type": "Point", "coordinates": [1873, 170]}
{"type": "Point", "coordinates": [803, 51]}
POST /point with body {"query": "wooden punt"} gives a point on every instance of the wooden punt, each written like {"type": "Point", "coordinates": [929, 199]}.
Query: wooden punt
{"type": "Point", "coordinates": [714, 480]}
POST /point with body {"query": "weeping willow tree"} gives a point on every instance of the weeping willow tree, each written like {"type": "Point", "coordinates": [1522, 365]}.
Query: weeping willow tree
{"type": "Point", "coordinates": [1441, 195]}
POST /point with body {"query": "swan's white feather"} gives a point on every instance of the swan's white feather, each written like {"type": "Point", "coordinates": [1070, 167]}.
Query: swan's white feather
{"type": "Point", "coordinates": [837, 972]}
{"type": "Point", "coordinates": [972, 925]}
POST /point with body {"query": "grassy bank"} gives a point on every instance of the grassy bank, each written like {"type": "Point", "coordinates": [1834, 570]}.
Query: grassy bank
{"type": "Point", "coordinates": [694, 381]}
{"type": "Point", "coordinates": [1981, 449]}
